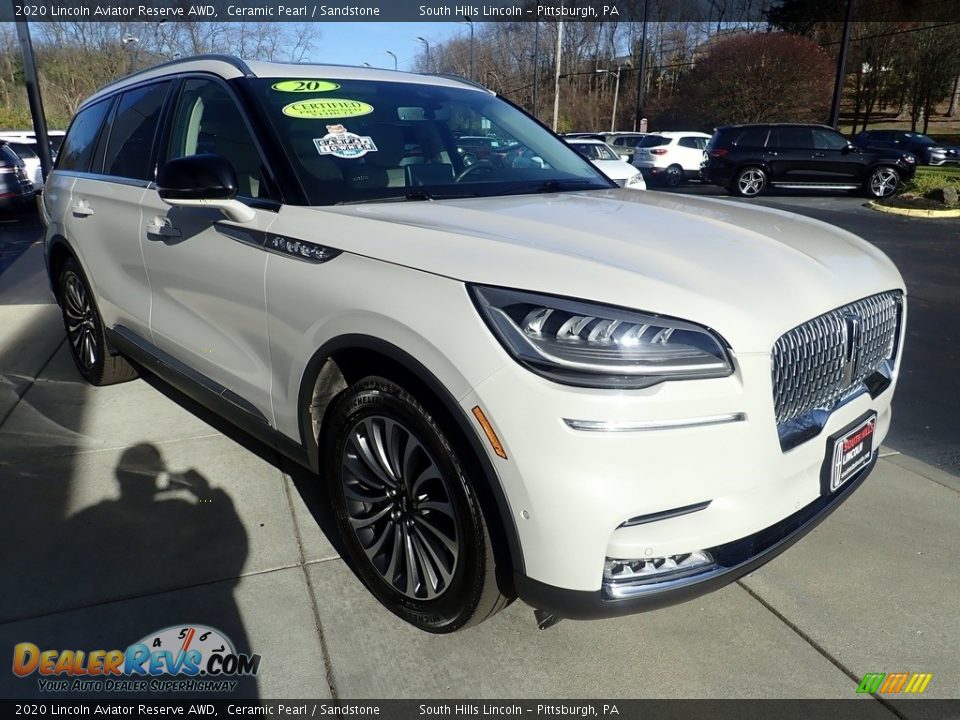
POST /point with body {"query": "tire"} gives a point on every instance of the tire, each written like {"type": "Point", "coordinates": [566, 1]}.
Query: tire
{"type": "Point", "coordinates": [446, 580]}
{"type": "Point", "coordinates": [749, 182]}
{"type": "Point", "coordinates": [883, 182]}
{"type": "Point", "coordinates": [675, 176]}
{"type": "Point", "coordinates": [96, 360]}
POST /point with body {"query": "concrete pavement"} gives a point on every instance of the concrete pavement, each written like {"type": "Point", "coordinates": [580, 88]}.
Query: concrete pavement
{"type": "Point", "coordinates": [234, 538]}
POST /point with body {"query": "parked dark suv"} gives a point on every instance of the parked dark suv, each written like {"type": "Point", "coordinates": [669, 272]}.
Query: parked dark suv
{"type": "Point", "coordinates": [748, 159]}
{"type": "Point", "coordinates": [16, 190]}
{"type": "Point", "coordinates": [927, 150]}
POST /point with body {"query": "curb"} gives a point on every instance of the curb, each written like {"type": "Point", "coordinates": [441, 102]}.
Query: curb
{"type": "Point", "coordinates": [911, 212]}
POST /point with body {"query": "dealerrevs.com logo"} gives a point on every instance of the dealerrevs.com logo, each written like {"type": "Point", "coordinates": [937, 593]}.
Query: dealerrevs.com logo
{"type": "Point", "coordinates": [183, 658]}
{"type": "Point", "coordinates": [898, 682]}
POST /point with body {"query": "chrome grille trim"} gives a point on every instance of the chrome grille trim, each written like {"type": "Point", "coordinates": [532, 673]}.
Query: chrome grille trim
{"type": "Point", "coordinates": [817, 364]}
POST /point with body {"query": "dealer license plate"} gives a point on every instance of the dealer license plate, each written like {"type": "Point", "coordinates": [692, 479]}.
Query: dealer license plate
{"type": "Point", "coordinates": [851, 452]}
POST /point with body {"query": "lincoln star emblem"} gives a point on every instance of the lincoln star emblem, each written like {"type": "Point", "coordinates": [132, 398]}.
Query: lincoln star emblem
{"type": "Point", "coordinates": [851, 354]}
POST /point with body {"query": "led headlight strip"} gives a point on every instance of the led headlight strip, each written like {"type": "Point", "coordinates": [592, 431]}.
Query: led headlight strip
{"type": "Point", "coordinates": [594, 345]}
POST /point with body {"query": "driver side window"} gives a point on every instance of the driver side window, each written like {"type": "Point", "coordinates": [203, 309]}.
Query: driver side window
{"type": "Point", "coordinates": [208, 121]}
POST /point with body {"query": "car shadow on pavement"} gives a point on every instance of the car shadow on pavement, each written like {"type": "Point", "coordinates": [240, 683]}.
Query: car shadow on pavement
{"type": "Point", "coordinates": [90, 561]}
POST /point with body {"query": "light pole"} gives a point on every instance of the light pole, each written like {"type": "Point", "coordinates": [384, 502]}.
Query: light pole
{"type": "Point", "coordinates": [536, 64]}
{"type": "Point", "coordinates": [394, 56]}
{"type": "Point", "coordinates": [427, 46]}
{"type": "Point", "coordinates": [131, 40]}
{"type": "Point", "coordinates": [616, 94]}
{"type": "Point", "coordinates": [34, 98]}
{"type": "Point", "coordinates": [642, 75]}
{"type": "Point", "coordinates": [556, 76]}
{"type": "Point", "coordinates": [469, 22]}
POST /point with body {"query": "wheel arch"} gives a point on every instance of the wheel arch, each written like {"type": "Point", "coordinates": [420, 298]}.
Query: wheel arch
{"type": "Point", "coordinates": [343, 360]}
{"type": "Point", "coordinates": [58, 251]}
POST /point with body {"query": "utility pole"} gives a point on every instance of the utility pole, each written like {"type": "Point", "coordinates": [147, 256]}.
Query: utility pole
{"type": "Point", "coordinates": [36, 102]}
{"type": "Point", "coordinates": [556, 77]}
{"type": "Point", "coordinates": [616, 95]}
{"type": "Point", "coordinates": [469, 22]}
{"type": "Point", "coordinates": [536, 65]}
{"type": "Point", "coordinates": [841, 69]}
{"type": "Point", "coordinates": [642, 74]}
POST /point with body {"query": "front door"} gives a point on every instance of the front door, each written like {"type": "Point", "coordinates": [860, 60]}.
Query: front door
{"type": "Point", "coordinates": [206, 273]}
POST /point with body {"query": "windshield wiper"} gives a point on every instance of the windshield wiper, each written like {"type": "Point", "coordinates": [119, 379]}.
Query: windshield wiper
{"type": "Point", "coordinates": [413, 195]}
{"type": "Point", "coordinates": [552, 186]}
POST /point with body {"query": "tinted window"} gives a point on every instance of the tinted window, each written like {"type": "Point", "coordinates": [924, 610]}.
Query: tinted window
{"type": "Point", "coordinates": [7, 156]}
{"type": "Point", "coordinates": [23, 150]}
{"type": "Point", "coordinates": [629, 141]}
{"type": "Point", "coordinates": [752, 137]}
{"type": "Point", "coordinates": [79, 144]}
{"type": "Point", "coordinates": [654, 141]}
{"type": "Point", "coordinates": [794, 137]}
{"type": "Point", "coordinates": [828, 140]}
{"type": "Point", "coordinates": [132, 132]}
{"type": "Point", "coordinates": [697, 143]}
{"type": "Point", "coordinates": [208, 121]}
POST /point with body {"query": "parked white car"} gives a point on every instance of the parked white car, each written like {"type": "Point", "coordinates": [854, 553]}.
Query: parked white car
{"type": "Point", "coordinates": [671, 157]}
{"type": "Point", "coordinates": [514, 379]}
{"type": "Point", "coordinates": [606, 161]}
{"type": "Point", "coordinates": [24, 143]}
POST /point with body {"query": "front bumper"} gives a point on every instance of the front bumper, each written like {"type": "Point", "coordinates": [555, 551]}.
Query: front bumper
{"type": "Point", "coordinates": [734, 560]}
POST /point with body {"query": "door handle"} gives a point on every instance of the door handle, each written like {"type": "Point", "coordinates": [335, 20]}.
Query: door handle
{"type": "Point", "coordinates": [162, 230]}
{"type": "Point", "coordinates": [82, 209]}
{"type": "Point", "coordinates": [819, 154]}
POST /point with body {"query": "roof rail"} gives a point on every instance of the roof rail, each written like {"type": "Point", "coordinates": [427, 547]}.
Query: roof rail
{"type": "Point", "coordinates": [459, 78]}
{"type": "Point", "coordinates": [230, 59]}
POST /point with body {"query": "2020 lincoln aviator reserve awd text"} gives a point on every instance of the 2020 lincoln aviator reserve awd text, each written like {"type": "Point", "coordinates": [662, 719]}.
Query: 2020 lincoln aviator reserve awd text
{"type": "Point", "coordinates": [513, 377]}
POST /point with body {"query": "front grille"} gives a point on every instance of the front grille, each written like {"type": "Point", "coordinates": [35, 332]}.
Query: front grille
{"type": "Point", "coordinates": [816, 364]}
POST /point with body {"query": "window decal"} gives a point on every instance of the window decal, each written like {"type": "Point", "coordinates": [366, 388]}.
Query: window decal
{"type": "Point", "coordinates": [326, 108]}
{"type": "Point", "coordinates": [296, 86]}
{"type": "Point", "coordinates": [342, 143]}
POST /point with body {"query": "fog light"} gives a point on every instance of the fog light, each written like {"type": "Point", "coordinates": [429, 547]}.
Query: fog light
{"type": "Point", "coordinates": [656, 569]}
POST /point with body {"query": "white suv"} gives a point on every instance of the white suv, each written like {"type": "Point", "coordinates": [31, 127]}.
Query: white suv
{"type": "Point", "coordinates": [671, 157]}
{"type": "Point", "coordinates": [515, 378]}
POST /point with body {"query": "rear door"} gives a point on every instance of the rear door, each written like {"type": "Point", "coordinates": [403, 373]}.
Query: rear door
{"type": "Point", "coordinates": [790, 154]}
{"type": "Point", "coordinates": [206, 273]}
{"type": "Point", "coordinates": [689, 152]}
{"type": "Point", "coordinates": [103, 218]}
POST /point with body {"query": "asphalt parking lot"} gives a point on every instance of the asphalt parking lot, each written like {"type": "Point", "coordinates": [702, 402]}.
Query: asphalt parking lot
{"type": "Point", "coordinates": [248, 548]}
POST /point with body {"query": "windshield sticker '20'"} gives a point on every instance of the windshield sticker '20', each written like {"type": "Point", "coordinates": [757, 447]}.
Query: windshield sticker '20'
{"type": "Point", "coordinates": [296, 86]}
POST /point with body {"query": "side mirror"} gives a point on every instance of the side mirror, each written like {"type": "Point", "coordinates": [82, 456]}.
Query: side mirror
{"type": "Point", "coordinates": [204, 180]}
{"type": "Point", "coordinates": [849, 149]}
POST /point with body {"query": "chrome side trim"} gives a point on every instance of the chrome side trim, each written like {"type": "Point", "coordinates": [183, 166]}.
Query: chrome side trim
{"type": "Point", "coordinates": [665, 514]}
{"type": "Point", "coordinates": [644, 425]}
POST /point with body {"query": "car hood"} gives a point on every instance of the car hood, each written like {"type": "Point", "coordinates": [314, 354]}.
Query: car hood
{"type": "Point", "coordinates": [749, 273]}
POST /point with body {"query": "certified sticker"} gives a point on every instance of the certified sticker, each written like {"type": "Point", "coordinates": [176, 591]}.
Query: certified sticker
{"type": "Point", "coordinates": [298, 86]}
{"type": "Point", "coordinates": [326, 108]}
{"type": "Point", "coordinates": [342, 143]}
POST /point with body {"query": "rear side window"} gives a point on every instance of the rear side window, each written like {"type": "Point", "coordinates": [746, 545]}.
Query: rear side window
{"type": "Point", "coordinates": [24, 151]}
{"type": "Point", "coordinates": [654, 141]}
{"type": "Point", "coordinates": [132, 132]}
{"type": "Point", "coordinates": [697, 143]}
{"type": "Point", "coordinates": [81, 139]}
{"type": "Point", "coordinates": [792, 137]}
{"type": "Point", "coordinates": [7, 156]}
{"type": "Point", "coordinates": [752, 137]}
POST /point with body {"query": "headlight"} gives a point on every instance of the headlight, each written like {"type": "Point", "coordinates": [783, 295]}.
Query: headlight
{"type": "Point", "coordinates": [909, 158]}
{"type": "Point", "coordinates": [593, 345]}
{"type": "Point", "coordinates": [636, 181]}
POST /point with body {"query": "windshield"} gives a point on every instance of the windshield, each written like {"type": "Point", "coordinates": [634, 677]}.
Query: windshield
{"type": "Point", "coordinates": [594, 151]}
{"type": "Point", "coordinates": [363, 140]}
